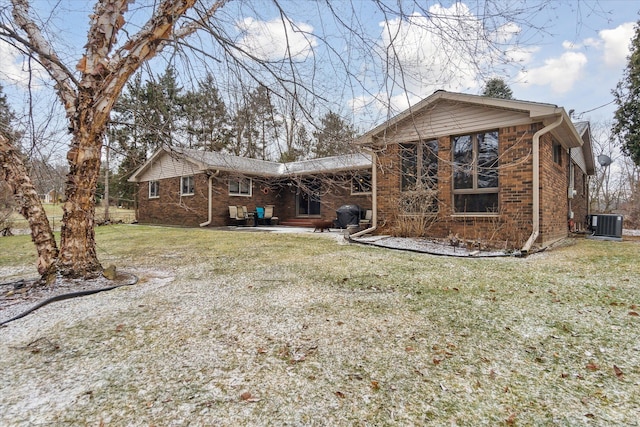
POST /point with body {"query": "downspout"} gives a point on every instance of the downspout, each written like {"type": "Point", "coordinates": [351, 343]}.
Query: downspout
{"type": "Point", "coordinates": [536, 183]}
{"type": "Point", "coordinates": [374, 197]}
{"type": "Point", "coordinates": [210, 218]}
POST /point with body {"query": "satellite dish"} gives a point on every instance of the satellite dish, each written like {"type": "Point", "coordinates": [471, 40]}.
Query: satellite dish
{"type": "Point", "coordinates": [604, 160]}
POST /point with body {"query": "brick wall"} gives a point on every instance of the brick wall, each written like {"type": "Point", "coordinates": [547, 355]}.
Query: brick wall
{"type": "Point", "coordinates": [513, 225]}
{"type": "Point", "coordinates": [172, 209]}
{"type": "Point", "coordinates": [554, 205]}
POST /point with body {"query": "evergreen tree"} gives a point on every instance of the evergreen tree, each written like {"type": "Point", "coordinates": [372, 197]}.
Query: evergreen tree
{"type": "Point", "coordinates": [497, 88]}
{"type": "Point", "coordinates": [334, 137]}
{"type": "Point", "coordinates": [7, 119]}
{"type": "Point", "coordinates": [626, 122]}
{"type": "Point", "coordinates": [257, 125]}
{"type": "Point", "coordinates": [208, 124]}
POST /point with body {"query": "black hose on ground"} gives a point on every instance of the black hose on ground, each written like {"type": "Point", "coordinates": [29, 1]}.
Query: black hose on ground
{"type": "Point", "coordinates": [69, 295]}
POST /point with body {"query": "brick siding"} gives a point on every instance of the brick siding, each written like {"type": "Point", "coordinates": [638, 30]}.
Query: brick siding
{"type": "Point", "coordinates": [172, 209]}
{"type": "Point", "coordinates": [513, 225]}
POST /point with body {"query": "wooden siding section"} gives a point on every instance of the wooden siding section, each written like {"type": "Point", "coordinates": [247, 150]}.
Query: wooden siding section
{"type": "Point", "coordinates": [447, 118]}
{"type": "Point", "coordinates": [166, 166]}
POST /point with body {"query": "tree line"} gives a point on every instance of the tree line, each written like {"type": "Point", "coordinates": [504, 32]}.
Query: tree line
{"type": "Point", "coordinates": [158, 112]}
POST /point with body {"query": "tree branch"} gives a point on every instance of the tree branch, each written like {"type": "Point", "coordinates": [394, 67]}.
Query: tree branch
{"type": "Point", "coordinates": [47, 56]}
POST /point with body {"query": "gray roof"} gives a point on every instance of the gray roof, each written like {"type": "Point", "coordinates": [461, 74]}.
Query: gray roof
{"type": "Point", "coordinates": [581, 127]}
{"type": "Point", "coordinates": [210, 160]}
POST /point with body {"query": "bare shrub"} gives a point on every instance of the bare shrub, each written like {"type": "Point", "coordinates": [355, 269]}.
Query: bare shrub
{"type": "Point", "coordinates": [417, 212]}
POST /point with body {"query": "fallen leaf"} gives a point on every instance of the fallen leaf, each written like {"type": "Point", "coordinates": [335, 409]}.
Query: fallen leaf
{"type": "Point", "coordinates": [511, 420]}
{"type": "Point", "coordinates": [633, 313]}
{"type": "Point", "coordinates": [436, 361]}
{"type": "Point", "coordinates": [589, 415]}
{"type": "Point", "coordinates": [618, 372]}
{"type": "Point", "coordinates": [375, 385]}
{"type": "Point", "coordinates": [408, 348]}
{"type": "Point", "coordinates": [340, 394]}
{"type": "Point", "coordinates": [120, 327]}
{"type": "Point", "coordinates": [245, 396]}
{"type": "Point", "coordinates": [592, 367]}
{"type": "Point", "coordinates": [262, 350]}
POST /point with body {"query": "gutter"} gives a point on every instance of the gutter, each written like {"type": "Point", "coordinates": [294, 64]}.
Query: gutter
{"type": "Point", "coordinates": [210, 217]}
{"type": "Point", "coordinates": [374, 197]}
{"type": "Point", "coordinates": [536, 183]}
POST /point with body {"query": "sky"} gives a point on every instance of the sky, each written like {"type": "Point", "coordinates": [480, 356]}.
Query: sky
{"type": "Point", "coordinates": [568, 53]}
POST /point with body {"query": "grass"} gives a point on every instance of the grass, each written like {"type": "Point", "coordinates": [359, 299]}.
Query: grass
{"type": "Point", "coordinates": [54, 213]}
{"type": "Point", "coordinates": [272, 329]}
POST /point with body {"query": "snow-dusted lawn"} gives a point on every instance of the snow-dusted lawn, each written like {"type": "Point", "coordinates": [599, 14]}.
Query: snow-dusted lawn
{"type": "Point", "coordinates": [282, 329]}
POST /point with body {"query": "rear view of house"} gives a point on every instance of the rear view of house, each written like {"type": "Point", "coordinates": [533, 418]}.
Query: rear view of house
{"type": "Point", "coordinates": [498, 172]}
{"type": "Point", "coordinates": [503, 172]}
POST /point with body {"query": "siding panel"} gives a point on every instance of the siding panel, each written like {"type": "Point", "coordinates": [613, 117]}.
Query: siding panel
{"type": "Point", "coordinates": [447, 118]}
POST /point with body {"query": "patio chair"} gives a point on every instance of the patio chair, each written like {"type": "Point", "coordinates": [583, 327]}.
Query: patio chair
{"type": "Point", "coordinates": [268, 214]}
{"type": "Point", "coordinates": [237, 215]}
{"type": "Point", "coordinates": [250, 216]}
{"type": "Point", "coordinates": [366, 221]}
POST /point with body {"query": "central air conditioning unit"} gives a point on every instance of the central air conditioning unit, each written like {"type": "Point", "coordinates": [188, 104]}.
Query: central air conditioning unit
{"type": "Point", "coordinates": [605, 226]}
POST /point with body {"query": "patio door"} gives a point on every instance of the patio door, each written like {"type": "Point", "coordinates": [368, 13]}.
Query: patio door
{"type": "Point", "coordinates": [308, 198]}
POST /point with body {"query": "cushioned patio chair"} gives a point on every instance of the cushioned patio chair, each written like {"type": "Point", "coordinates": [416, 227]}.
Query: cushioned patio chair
{"type": "Point", "coordinates": [236, 214]}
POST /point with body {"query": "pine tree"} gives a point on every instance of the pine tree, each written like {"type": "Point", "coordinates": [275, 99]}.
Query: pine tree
{"type": "Point", "coordinates": [497, 88]}
{"type": "Point", "coordinates": [626, 122]}
{"type": "Point", "coordinates": [334, 136]}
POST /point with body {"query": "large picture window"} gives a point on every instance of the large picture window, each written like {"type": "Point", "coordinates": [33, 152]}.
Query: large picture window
{"type": "Point", "coordinates": [419, 162]}
{"type": "Point", "coordinates": [154, 189]}
{"type": "Point", "coordinates": [475, 173]}
{"type": "Point", "coordinates": [187, 185]}
{"type": "Point", "coordinates": [240, 186]}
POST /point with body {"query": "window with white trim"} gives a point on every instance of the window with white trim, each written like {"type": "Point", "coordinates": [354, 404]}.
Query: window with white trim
{"type": "Point", "coordinates": [475, 173]}
{"type": "Point", "coordinates": [240, 186]}
{"type": "Point", "coordinates": [361, 182]}
{"type": "Point", "coordinates": [187, 185]}
{"type": "Point", "coordinates": [154, 189]}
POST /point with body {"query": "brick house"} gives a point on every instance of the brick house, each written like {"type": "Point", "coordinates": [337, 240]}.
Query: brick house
{"type": "Point", "coordinates": [503, 172]}
{"type": "Point", "coordinates": [179, 186]}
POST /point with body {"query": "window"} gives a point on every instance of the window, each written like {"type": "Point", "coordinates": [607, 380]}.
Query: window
{"type": "Point", "coordinates": [361, 183]}
{"type": "Point", "coordinates": [186, 185]}
{"type": "Point", "coordinates": [475, 173]}
{"type": "Point", "coordinates": [154, 189]}
{"type": "Point", "coordinates": [557, 153]}
{"type": "Point", "coordinates": [240, 186]}
{"type": "Point", "coordinates": [419, 164]}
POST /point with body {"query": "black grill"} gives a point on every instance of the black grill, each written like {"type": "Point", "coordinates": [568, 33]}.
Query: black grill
{"type": "Point", "coordinates": [347, 215]}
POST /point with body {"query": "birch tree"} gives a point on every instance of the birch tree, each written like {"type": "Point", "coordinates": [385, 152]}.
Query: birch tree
{"type": "Point", "coordinates": [88, 95]}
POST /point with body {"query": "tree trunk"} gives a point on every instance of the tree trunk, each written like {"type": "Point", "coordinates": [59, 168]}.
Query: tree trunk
{"type": "Point", "coordinates": [14, 172]}
{"type": "Point", "coordinates": [78, 257]}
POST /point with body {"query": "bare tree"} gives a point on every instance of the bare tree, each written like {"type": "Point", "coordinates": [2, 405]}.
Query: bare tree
{"type": "Point", "coordinates": [118, 44]}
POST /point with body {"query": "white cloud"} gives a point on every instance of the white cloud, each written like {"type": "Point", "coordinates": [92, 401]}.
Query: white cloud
{"type": "Point", "coordinates": [560, 73]}
{"type": "Point", "coordinates": [617, 43]}
{"type": "Point", "coordinates": [15, 66]}
{"type": "Point", "coordinates": [449, 48]}
{"type": "Point", "coordinates": [276, 40]}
